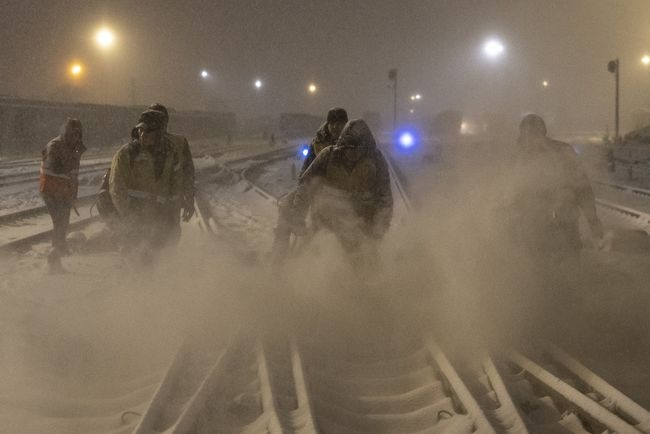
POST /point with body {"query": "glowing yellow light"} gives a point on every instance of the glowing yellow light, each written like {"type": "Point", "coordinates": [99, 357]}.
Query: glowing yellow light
{"type": "Point", "coordinates": [645, 60]}
{"type": "Point", "coordinates": [76, 69]}
{"type": "Point", "coordinates": [312, 88]}
{"type": "Point", "coordinates": [105, 37]}
{"type": "Point", "coordinates": [545, 83]}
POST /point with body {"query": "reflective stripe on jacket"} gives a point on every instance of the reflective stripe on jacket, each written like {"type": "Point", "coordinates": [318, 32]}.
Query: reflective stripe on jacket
{"type": "Point", "coordinates": [133, 184]}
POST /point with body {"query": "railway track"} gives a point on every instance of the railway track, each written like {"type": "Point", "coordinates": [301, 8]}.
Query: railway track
{"type": "Point", "coordinates": [296, 385]}
{"type": "Point", "coordinates": [297, 382]}
{"type": "Point", "coordinates": [637, 215]}
{"type": "Point", "coordinates": [33, 225]}
{"type": "Point", "coordinates": [32, 177]}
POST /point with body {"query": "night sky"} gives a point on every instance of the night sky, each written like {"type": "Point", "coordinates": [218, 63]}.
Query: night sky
{"type": "Point", "coordinates": [345, 47]}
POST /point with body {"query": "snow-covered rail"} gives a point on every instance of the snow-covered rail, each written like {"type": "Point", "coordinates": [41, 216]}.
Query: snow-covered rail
{"type": "Point", "coordinates": [629, 205]}
{"type": "Point", "coordinates": [293, 385]}
{"type": "Point", "coordinates": [297, 384]}
{"type": "Point", "coordinates": [33, 176]}
{"type": "Point", "coordinates": [23, 228]}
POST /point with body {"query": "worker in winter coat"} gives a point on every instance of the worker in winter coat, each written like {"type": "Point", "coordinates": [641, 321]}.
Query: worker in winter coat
{"type": "Point", "coordinates": [59, 184]}
{"type": "Point", "coordinates": [348, 190]}
{"type": "Point", "coordinates": [182, 149]}
{"type": "Point", "coordinates": [551, 191]}
{"type": "Point", "coordinates": [327, 135]}
{"type": "Point", "coordinates": [146, 182]}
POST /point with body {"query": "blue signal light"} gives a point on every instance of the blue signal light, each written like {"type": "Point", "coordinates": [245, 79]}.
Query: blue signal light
{"type": "Point", "coordinates": [303, 151]}
{"type": "Point", "coordinates": [406, 139]}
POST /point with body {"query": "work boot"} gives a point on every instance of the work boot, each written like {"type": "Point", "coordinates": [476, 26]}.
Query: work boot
{"type": "Point", "coordinates": [54, 263]}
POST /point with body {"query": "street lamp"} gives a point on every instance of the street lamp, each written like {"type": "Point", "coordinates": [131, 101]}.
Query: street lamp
{"type": "Point", "coordinates": [258, 84]}
{"type": "Point", "coordinates": [312, 88]}
{"type": "Point", "coordinates": [205, 74]}
{"type": "Point", "coordinates": [105, 38]}
{"type": "Point", "coordinates": [645, 60]}
{"type": "Point", "coordinates": [76, 69]}
{"type": "Point", "coordinates": [545, 83]}
{"type": "Point", "coordinates": [493, 48]}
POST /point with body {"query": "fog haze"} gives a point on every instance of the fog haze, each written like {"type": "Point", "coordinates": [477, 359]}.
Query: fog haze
{"type": "Point", "coordinates": [345, 47]}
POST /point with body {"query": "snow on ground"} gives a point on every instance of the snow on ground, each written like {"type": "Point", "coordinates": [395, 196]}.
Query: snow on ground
{"type": "Point", "coordinates": [79, 349]}
{"type": "Point", "coordinates": [596, 311]}
{"type": "Point", "coordinates": [26, 196]}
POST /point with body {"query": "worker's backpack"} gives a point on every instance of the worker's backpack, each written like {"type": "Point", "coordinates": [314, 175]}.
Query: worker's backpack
{"type": "Point", "coordinates": [104, 203]}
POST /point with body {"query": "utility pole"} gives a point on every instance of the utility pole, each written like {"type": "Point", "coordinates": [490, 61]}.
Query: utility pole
{"type": "Point", "coordinates": [392, 76]}
{"type": "Point", "coordinates": [614, 67]}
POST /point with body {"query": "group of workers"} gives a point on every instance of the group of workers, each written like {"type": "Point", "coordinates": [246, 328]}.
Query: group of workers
{"type": "Point", "coordinates": [149, 186]}
{"type": "Point", "coordinates": [344, 187]}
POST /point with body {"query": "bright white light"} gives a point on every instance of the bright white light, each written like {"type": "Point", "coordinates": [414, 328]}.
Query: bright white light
{"type": "Point", "coordinates": [418, 96]}
{"type": "Point", "coordinates": [305, 152]}
{"type": "Point", "coordinates": [312, 88]}
{"type": "Point", "coordinates": [645, 60]}
{"type": "Point", "coordinates": [258, 84]}
{"type": "Point", "coordinates": [545, 83]}
{"type": "Point", "coordinates": [204, 74]}
{"type": "Point", "coordinates": [406, 140]}
{"type": "Point", "coordinates": [493, 48]}
{"type": "Point", "coordinates": [105, 37]}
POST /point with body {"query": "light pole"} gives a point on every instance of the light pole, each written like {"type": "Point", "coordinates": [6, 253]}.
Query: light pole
{"type": "Point", "coordinates": [392, 76]}
{"type": "Point", "coordinates": [615, 68]}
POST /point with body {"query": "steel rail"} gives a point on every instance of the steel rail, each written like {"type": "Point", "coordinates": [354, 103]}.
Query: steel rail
{"type": "Point", "coordinates": [574, 399]}
{"type": "Point", "coordinates": [503, 396]}
{"type": "Point", "coordinates": [465, 398]}
{"type": "Point", "coordinates": [612, 398]}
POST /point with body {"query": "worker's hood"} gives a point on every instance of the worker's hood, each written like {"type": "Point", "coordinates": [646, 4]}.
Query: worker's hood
{"type": "Point", "coordinates": [356, 134]}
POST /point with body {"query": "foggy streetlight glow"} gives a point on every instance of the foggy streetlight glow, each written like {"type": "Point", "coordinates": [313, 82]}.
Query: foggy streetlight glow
{"type": "Point", "coordinates": [105, 37]}
{"type": "Point", "coordinates": [312, 88]}
{"type": "Point", "coordinates": [258, 84]}
{"type": "Point", "coordinates": [645, 60]}
{"type": "Point", "coordinates": [204, 74]}
{"type": "Point", "coordinates": [76, 69]}
{"type": "Point", "coordinates": [545, 83]}
{"type": "Point", "coordinates": [493, 48]}
{"type": "Point", "coordinates": [418, 96]}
